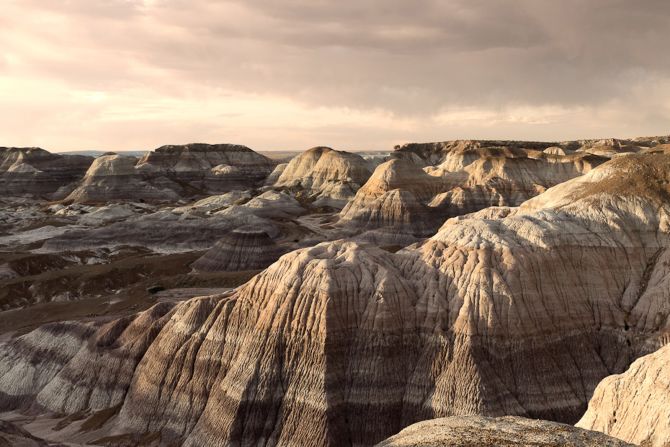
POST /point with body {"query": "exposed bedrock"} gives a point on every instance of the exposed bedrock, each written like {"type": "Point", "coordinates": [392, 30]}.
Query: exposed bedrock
{"type": "Point", "coordinates": [210, 168]}
{"type": "Point", "coordinates": [244, 248]}
{"type": "Point", "coordinates": [172, 172]}
{"type": "Point", "coordinates": [470, 431]}
{"type": "Point", "coordinates": [36, 172]}
{"type": "Point", "coordinates": [114, 177]}
{"type": "Point", "coordinates": [635, 405]}
{"type": "Point", "coordinates": [520, 312]}
{"type": "Point", "coordinates": [326, 176]}
{"type": "Point", "coordinates": [435, 181]}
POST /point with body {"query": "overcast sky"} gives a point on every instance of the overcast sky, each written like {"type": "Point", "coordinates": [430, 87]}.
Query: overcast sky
{"type": "Point", "coordinates": [351, 74]}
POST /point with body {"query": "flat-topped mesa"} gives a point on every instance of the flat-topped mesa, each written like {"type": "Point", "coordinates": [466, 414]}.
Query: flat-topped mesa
{"type": "Point", "coordinates": [520, 313]}
{"type": "Point", "coordinates": [36, 172]}
{"type": "Point", "coordinates": [470, 431]}
{"type": "Point", "coordinates": [326, 176]}
{"type": "Point", "coordinates": [212, 168]}
{"type": "Point", "coordinates": [242, 249]}
{"type": "Point", "coordinates": [635, 405]}
{"type": "Point", "coordinates": [114, 177]}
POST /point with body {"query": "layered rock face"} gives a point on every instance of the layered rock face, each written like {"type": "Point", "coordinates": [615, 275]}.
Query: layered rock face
{"type": "Point", "coordinates": [459, 431]}
{"type": "Point", "coordinates": [394, 197]}
{"type": "Point", "coordinates": [635, 405]}
{"type": "Point", "coordinates": [241, 249]}
{"type": "Point", "coordinates": [441, 180]}
{"type": "Point", "coordinates": [34, 171]}
{"type": "Point", "coordinates": [172, 172]}
{"type": "Point", "coordinates": [114, 177]}
{"type": "Point", "coordinates": [514, 312]}
{"type": "Point", "coordinates": [213, 168]}
{"type": "Point", "coordinates": [326, 176]}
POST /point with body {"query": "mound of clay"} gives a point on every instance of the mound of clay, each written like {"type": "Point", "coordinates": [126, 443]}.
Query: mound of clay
{"type": "Point", "coordinates": [34, 171]}
{"type": "Point", "coordinates": [326, 176]}
{"type": "Point", "coordinates": [207, 168]}
{"type": "Point", "coordinates": [241, 249]}
{"type": "Point", "coordinates": [114, 177]}
{"type": "Point", "coordinates": [635, 405]}
{"type": "Point", "coordinates": [393, 197]}
{"type": "Point", "coordinates": [470, 431]}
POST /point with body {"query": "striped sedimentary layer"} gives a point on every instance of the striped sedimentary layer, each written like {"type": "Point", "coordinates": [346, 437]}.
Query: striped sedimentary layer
{"type": "Point", "coordinates": [241, 249]}
{"type": "Point", "coordinates": [513, 313]}
{"type": "Point", "coordinates": [327, 177]}
{"type": "Point", "coordinates": [34, 171]}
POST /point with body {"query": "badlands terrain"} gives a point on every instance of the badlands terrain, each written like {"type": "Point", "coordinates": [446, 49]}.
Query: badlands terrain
{"type": "Point", "coordinates": [459, 293]}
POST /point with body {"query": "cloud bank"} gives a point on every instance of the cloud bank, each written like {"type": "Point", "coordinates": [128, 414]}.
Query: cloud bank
{"type": "Point", "coordinates": [290, 74]}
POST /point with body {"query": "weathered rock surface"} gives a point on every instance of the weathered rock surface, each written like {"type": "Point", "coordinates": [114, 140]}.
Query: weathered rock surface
{"type": "Point", "coordinates": [635, 405]}
{"type": "Point", "coordinates": [470, 431]}
{"type": "Point", "coordinates": [36, 172]}
{"type": "Point", "coordinates": [172, 172]}
{"type": "Point", "coordinates": [504, 312]}
{"type": "Point", "coordinates": [207, 168]}
{"type": "Point", "coordinates": [14, 436]}
{"type": "Point", "coordinates": [242, 249]}
{"type": "Point", "coordinates": [394, 197]}
{"type": "Point", "coordinates": [326, 176]}
{"type": "Point", "coordinates": [114, 177]}
{"type": "Point", "coordinates": [440, 180]}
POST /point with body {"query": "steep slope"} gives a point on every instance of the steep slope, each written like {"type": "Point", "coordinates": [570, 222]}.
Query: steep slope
{"type": "Point", "coordinates": [501, 432]}
{"type": "Point", "coordinates": [114, 177]}
{"type": "Point", "coordinates": [34, 171]}
{"type": "Point", "coordinates": [326, 176]}
{"type": "Point", "coordinates": [511, 313]}
{"type": "Point", "coordinates": [393, 198]}
{"type": "Point", "coordinates": [635, 405]}
{"type": "Point", "coordinates": [458, 177]}
{"type": "Point", "coordinates": [211, 168]}
{"type": "Point", "coordinates": [241, 249]}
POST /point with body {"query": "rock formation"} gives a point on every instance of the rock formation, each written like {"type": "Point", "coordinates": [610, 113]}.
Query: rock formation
{"type": "Point", "coordinates": [114, 177]}
{"type": "Point", "coordinates": [470, 431]}
{"type": "Point", "coordinates": [36, 172]}
{"type": "Point", "coordinates": [457, 177]}
{"type": "Point", "coordinates": [208, 168]}
{"type": "Point", "coordinates": [172, 172]}
{"type": "Point", "coordinates": [326, 176]}
{"type": "Point", "coordinates": [635, 405]}
{"type": "Point", "coordinates": [242, 249]}
{"type": "Point", "coordinates": [394, 197]}
{"type": "Point", "coordinates": [508, 311]}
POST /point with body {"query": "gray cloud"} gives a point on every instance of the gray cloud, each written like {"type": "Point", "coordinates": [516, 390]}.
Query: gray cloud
{"type": "Point", "coordinates": [411, 60]}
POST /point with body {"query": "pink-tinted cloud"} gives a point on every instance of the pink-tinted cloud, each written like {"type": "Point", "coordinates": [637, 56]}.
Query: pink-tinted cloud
{"type": "Point", "coordinates": [125, 74]}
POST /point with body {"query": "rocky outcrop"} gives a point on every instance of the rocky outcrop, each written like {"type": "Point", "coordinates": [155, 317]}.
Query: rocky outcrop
{"type": "Point", "coordinates": [635, 405]}
{"type": "Point", "coordinates": [394, 197]}
{"type": "Point", "coordinates": [207, 168]}
{"type": "Point", "coordinates": [114, 177]}
{"type": "Point", "coordinates": [241, 249]}
{"type": "Point", "coordinates": [325, 176]}
{"type": "Point", "coordinates": [36, 172]}
{"type": "Point", "coordinates": [172, 172]}
{"type": "Point", "coordinates": [516, 312]}
{"type": "Point", "coordinates": [459, 177]}
{"type": "Point", "coordinates": [497, 432]}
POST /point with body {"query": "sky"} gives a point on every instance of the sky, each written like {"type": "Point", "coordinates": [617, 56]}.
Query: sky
{"type": "Point", "coordinates": [350, 74]}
